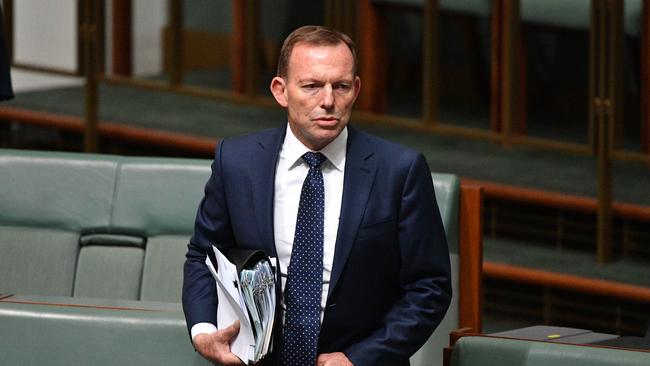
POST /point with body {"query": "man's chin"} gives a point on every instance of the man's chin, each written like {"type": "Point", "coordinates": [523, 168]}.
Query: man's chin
{"type": "Point", "coordinates": [323, 137]}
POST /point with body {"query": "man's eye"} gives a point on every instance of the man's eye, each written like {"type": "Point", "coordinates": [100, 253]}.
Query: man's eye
{"type": "Point", "coordinates": [342, 87]}
{"type": "Point", "coordinates": [310, 86]}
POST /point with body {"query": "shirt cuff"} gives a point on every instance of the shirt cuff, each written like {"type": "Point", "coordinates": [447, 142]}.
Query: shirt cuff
{"type": "Point", "coordinates": [202, 328]}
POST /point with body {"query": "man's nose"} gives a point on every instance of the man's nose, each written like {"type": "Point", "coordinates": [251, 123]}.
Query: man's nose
{"type": "Point", "coordinates": [328, 97]}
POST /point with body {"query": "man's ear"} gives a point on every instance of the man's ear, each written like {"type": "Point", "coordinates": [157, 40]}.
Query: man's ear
{"type": "Point", "coordinates": [279, 90]}
{"type": "Point", "coordinates": [357, 86]}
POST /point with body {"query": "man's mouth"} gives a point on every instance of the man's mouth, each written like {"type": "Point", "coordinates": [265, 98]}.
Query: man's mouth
{"type": "Point", "coordinates": [326, 119]}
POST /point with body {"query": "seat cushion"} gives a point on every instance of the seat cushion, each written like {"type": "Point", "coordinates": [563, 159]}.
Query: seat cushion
{"type": "Point", "coordinates": [37, 261]}
{"type": "Point", "coordinates": [109, 272]}
{"type": "Point", "coordinates": [162, 276]}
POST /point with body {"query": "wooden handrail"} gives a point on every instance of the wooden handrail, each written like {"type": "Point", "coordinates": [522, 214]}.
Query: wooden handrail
{"type": "Point", "coordinates": [559, 200]}
{"type": "Point", "coordinates": [566, 282]}
{"type": "Point", "coordinates": [199, 145]}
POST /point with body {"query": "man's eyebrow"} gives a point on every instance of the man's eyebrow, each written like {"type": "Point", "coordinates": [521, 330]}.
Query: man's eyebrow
{"type": "Point", "coordinates": [309, 80]}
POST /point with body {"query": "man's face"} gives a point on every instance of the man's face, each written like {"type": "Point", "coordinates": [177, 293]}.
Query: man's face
{"type": "Point", "coordinates": [318, 92]}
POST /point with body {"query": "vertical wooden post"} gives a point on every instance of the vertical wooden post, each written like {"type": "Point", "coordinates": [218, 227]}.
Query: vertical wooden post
{"type": "Point", "coordinates": [339, 15]}
{"type": "Point", "coordinates": [82, 7]}
{"type": "Point", "coordinates": [176, 42]}
{"type": "Point", "coordinates": [89, 10]}
{"type": "Point", "coordinates": [471, 257]}
{"type": "Point", "coordinates": [237, 60]}
{"type": "Point", "coordinates": [614, 76]}
{"type": "Point", "coordinates": [495, 65]}
{"type": "Point", "coordinates": [348, 9]}
{"type": "Point", "coordinates": [645, 77]}
{"type": "Point", "coordinates": [594, 70]}
{"type": "Point", "coordinates": [330, 11]}
{"type": "Point", "coordinates": [100, 37]}
{"type": "Point", "coordinates": [372, 57]}
{"type": "Point", "coordinates": [8, 12]}
{"type": "Point", "coordinates": [509, 74]}
{"type": "Point", "coordinates": [122, 37]}
{"type": "Point", "coordinates": [244, 59]}
{"type": "Point", "coordinates": [430, 62]}
{"type": "Point", "coordinates": [606, 107]}
{"type": "Point", "coordinates": [252, 46]}
{"type": "Point", "coordinates": [505, 67]}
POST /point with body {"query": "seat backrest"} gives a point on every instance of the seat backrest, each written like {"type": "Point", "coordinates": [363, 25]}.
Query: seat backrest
{"type": "Point", "coordinates": [447, 187]}
{"type": "Point", "coordinates": [157, 199]}
{"type": "Point", "coordinates": [46, 201]}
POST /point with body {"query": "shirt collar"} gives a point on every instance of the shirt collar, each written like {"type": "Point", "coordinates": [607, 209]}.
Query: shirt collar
{"type": "Point", "coordinates": [334, 151]}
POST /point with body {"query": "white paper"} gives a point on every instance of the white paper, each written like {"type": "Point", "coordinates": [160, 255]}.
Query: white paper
{"type": "Point", "coordinates": [231, 306]}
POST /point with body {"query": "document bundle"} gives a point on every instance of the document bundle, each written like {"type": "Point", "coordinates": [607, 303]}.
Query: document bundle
{"type": "Point", "coordinates": [246, 293]}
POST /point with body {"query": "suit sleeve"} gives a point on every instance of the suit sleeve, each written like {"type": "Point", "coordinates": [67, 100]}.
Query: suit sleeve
{"type": "Point", "coordinates": [212, 226]}
{"type": "Point", "coordinates": [424, 277]}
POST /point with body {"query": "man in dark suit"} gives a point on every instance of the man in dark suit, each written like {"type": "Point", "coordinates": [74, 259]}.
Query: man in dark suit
{"type": "Point", "coordinates": [381, 268]}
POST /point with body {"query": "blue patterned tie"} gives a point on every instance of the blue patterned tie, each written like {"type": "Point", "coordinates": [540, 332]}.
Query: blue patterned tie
{"type": "Point", "coordinates": [302, 295]}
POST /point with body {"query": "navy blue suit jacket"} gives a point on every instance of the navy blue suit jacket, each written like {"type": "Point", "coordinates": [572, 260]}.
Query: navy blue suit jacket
{"type": "Point", "coordinates": [390, 283]}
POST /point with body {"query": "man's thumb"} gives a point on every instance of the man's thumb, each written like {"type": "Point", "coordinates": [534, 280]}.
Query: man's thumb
{"type": "Point", "coordinates": [232, 330]}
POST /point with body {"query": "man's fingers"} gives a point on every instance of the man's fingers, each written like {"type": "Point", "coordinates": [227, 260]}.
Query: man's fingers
{"type": "Point", "coordinates": [333, 359]}
{"type": "Point", "coordinates": [216, 346]}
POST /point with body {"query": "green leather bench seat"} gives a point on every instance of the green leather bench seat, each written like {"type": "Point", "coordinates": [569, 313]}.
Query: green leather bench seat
{"type": "Point", "coordinates": [490, 351]}
{"type": "Point", "coordinates": [96, 225]}
{"type": "Point", "coordinates": [61, 334]}
{"type": "Point", "coordinates": [114, 229]}
{"type": "Point", "coordinates": [109, 226]}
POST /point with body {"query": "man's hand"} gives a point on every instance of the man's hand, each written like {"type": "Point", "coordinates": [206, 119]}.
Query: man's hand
{"type": "Point", "coordinates": [215, 347]}
{"type": "Point", "coordinates": [333, 359]}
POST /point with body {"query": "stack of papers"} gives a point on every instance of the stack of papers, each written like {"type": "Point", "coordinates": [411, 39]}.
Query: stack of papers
{"type": "Point", "coordinates": [249, 297]}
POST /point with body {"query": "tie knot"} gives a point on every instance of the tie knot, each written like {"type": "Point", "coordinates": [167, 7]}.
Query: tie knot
{"type": "Point", "coordinates": [314, 159]}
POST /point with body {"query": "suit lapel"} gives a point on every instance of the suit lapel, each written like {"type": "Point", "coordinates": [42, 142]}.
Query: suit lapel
{"type": "Point", "coordinates": [263, 163]}
{"type": "Point", "coordinates": [360, 171]}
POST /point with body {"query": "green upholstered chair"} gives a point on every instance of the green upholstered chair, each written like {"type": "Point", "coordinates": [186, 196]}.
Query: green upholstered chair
{"type": "Point", "coordinates": [96, 226]}
{"type": "Point", "coordinates": [489, 351]}
{"type": "Point", "coordinates": [47, 200]}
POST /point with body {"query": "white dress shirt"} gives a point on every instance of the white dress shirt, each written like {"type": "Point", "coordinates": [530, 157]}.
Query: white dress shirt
{"type": "Point", "coordinates": [290, 173]}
